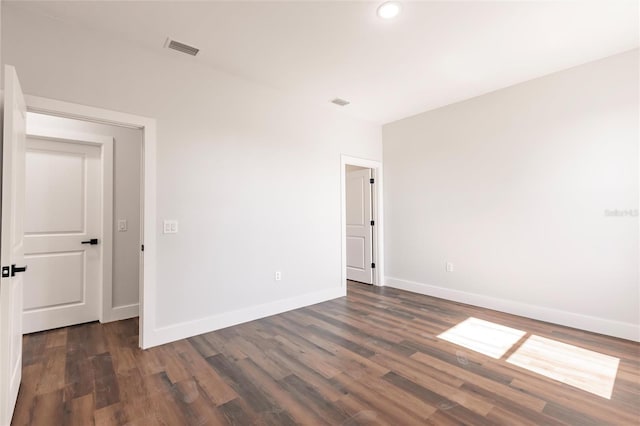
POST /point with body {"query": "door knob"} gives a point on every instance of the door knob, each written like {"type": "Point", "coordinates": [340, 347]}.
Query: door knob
{"type": "Point", "coordinates": [15, 269]}
{"type": "Point", "coordinates": [92, 241]}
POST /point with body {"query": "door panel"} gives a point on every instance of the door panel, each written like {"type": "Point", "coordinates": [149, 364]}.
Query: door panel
{"type": "Point", "coordinates": [63, 201]}
{"type": "Point", "coordinates": [356, 252]}
{"type": "Point", "coordinates": [55, 183]}
{"type": "Point", "coordinates": [55, 280]}
{"type": "Point", "coordinates": [11, 244]}
{"type": "Point", "coordinates": [359, 232]}
{"type": "Point", "coordinates": [357, 182]}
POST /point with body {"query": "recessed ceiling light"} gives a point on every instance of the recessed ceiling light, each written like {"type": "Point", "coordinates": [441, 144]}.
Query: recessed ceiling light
{"type": "Point", "coordinates": [389, 9]}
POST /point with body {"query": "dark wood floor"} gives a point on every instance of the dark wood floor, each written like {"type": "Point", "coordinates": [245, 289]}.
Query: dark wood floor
{"type": "Point", "coordinates": [370, 358]}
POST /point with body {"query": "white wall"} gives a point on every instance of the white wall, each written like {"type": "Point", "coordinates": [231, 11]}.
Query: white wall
{"type": "Point", "coordinates": [349, 168]}
{"type": "Point", "coordinates": [126, 202]}
{"type": "Point", "coordinates": [252, 177]}
{"type": "Point", "coordinates": [512, 187]}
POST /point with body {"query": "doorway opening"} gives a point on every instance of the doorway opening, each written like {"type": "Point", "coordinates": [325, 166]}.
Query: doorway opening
{"type": "Point", "coordinates": [362, 221]}
{"type": "Point", "coordinates": [82, 223]}
{"type": "Point", "coordinates": [126, 300]}
{"type": "Point", "coordinates": [359, 183]}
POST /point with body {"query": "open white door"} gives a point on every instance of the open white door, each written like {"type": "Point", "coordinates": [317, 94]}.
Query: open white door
{"type": "Point", "coordinates": [11, 243]}
{"type": "Point", "coordinates": [359, 216]}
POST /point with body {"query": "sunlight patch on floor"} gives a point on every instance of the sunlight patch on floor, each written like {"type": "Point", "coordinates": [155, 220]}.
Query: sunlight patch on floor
{"type": "Point", "coordinates": [587, 370]}
{"type": "Point", "coordinates": [485, 337]}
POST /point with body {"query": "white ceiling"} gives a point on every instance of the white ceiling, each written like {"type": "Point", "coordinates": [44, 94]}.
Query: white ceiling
{"type": "Point", "coordinates": [433, 54]}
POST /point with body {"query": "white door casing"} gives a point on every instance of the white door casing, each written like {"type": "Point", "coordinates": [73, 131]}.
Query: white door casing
{"type": "Point", "coordinates": [147, 322]}
{"type": "Point", "coordinates": [358, 221]}
{"type": "Point", "coordinates": [11, 244]}
{"type": "Point", "coordinates": [69, 178]}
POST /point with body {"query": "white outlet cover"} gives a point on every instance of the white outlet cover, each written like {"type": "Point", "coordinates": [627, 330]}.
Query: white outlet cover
{"type": "Point", "coordinates": [122, 225]}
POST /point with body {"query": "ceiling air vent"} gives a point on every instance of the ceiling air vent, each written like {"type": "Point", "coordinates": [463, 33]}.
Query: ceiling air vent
{"type": "Point", "coordinates": [181, 47]}
{"type": "Point", "coordinates": [340, 102]}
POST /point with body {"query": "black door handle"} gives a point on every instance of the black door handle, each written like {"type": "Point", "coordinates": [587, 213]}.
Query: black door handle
{"type": "Point", "coordinates": [92, 241]}
{"type": "Point", "coordinates": [15, 269]}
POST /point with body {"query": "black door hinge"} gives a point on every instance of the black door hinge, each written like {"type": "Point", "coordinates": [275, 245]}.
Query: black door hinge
{"type": "Point", "coordinates": [142, 247]}
{"type": "Point", "coordinates": [373, 265]}
{"type": "Point", "coordinates": [371, 181]}
{"type": "Point", "coordinates": [373, 222]}
{"type": "Point", "coordinates": [6, 271]}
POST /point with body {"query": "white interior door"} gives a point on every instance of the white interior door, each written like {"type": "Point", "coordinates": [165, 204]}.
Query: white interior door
{"type": "Point", "coordinates": [63, 231]}
{"type": "Point", "coordinates": [359, 228]}
{"type": "Point", "coordinates": [11, 244]}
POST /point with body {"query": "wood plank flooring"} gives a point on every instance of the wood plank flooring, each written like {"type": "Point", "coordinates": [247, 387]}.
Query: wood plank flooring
{"type": "Point", "coordinates": [371, 358]}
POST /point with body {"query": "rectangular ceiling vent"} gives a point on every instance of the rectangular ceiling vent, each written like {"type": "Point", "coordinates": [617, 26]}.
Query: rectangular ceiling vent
{"type": "Point", "coordinates": [340, 102]}
{"type": "Point", "coordinates": [181, 47]}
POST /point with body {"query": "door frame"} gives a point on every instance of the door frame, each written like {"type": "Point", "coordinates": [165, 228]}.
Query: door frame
{"type": "Point", "coordinates": [377, 239]}
{"type": "Point", "coordinates": [147, 258]}
{"type": "Point", "coordinates": [105, 143]}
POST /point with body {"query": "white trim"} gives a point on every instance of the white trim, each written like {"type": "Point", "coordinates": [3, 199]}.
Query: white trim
{"type": "Point", "coordinates": [148, 126]}
{"type": "Point", "coordinates": [187, 329]}
{"type": "Point", "coordinates": [605, 326]}
{"type": "Point", "coordinates": [105, 143]}
{"type": "Point", "coordinates": [124, 312]}
{"type": "Point", "coordinates": [107, 230]}
{"type": "Point", "coordinates": [378, 229]}
{"type": "Point", "coordinates": [60, 135]}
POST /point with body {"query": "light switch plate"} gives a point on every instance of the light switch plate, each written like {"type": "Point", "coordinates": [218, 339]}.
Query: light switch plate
{"type": "Point", "coordinates": [122, 225]}
{"type": "Point", "coordinates": [170, 227]}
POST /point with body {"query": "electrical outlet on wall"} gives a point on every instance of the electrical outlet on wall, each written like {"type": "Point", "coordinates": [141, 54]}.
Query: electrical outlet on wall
{"type": "Point", "coordinates": [170, 227]}
{"type": "Point", "coordinates": [122, 225]}
{"type": "Point", "coordinates": [278, 276]}
{"type": "Point", "coordinates": [449, 267]}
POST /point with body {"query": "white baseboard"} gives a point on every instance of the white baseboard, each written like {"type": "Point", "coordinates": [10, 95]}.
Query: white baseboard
{"type": "Point", "coordinates": [118, 313]}
{"type": "Point", "coordinates": [171, 333]}
{"type": "Point", "coordinates": [124, 312]}
{"type": "Point", "coordinates": [608, 327]}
